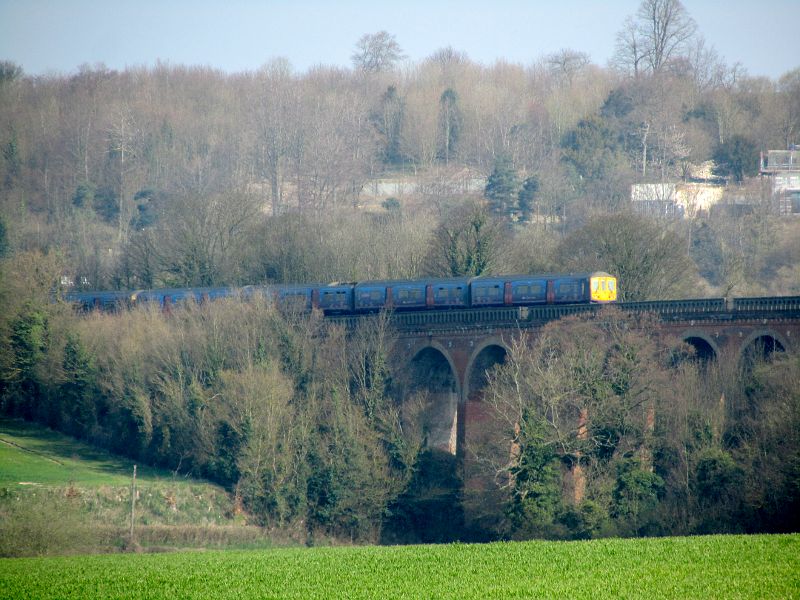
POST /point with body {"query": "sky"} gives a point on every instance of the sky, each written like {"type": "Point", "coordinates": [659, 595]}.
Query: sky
{"type": "Point", "coordinates": [58, 36]}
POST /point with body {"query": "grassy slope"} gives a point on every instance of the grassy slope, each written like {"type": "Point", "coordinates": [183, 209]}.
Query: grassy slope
{"type": "Point", "coordinates": [33, 455]}
{"type": "Point", "coordinates": [701, 567]}
{"type": "Point", "coordinates": [59, 495]}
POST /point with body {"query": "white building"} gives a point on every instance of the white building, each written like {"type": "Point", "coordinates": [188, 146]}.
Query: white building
{"type": "Point", "coordinates": [783, 166]}
{"type": "Point", "coordinates": [675, 199]}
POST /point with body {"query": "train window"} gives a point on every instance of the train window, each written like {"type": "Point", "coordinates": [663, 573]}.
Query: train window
{"type": "Point", "coordinates": [595, 285]}
{"type": "Point", "coordinates": [603, 285]}
{"type": "Point", "coordinates": [568, 289]}
{"type": "Point", "coordinates": [375, 295]}
{"type": "Point", "coordinates": [523, 290]}
{"type": "Point", "coordinates": [611, 284]}
{"type": "Point", "coordinates": [409, 295]}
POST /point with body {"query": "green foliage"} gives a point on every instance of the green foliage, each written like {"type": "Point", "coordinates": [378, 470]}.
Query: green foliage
{"type": "Point", "coordinates": [78, 392]}
{"type": "Point", "coordinates": [104, 201]}
{"type": "Point", "coordinates": [5, 242]}
{"type": "Point", "coordinates": [737, 157]}
{"type": "Point", "coordinates": [636, 495]}
{"type": "Point", "coordinates": [429, 510]}
{"type": "Point", "coordinates": [11, 155]}
{"type": "Point", "coordinates": [502, 187]}
{"type": "Point", "coordinates": [581, 402]}
{"type": "Point", "coordinates": [700, 567]}
{"type": "Point", "coordinates": [23, 382]}
{"type": "Point", "coordinates": [450, 124]}
{"type": "Point", "coordinates": [9, 72]}
{"type": "Point", "coordinates": [717, 476]}
{"type": "Point", "coordinates": [391, 204]}
{"type": "Point", "coordinates": [388, 120]}
{"type": "Point", "coordinates": [465, 244]}
{"type": "Point", "coordinates": [528, 196]}
{"type": "Point", "coordinates": [536, 501]}
{"type": "Point", "coordinates": [590, 149]}
{"type": "Point", "coordinates": [290, 415]}
{"type": "Point", "coordinates": [84, 195]}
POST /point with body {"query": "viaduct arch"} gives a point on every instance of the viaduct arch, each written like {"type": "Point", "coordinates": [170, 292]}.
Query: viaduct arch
{"type": "Point", "coordinates": [450, 351]}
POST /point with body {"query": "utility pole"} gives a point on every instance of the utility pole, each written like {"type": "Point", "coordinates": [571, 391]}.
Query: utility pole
{"type": "Point", "coordinates": [133, 501]}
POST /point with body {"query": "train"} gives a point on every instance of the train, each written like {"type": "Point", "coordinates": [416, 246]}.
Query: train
{"type": "Point", "coordinates": [373, 296]}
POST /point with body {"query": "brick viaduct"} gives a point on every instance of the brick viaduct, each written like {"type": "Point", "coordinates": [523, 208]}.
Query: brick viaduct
{"type": "Point", "coordinates": [450, 351]}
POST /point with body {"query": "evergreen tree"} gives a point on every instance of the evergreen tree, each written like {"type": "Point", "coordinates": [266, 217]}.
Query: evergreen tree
{"type": "Point", "coordinates": [78, 393]}
{"type": "Point", "coordinates": [4, 243]}
{"type": "Point", "coordinates": [591, 149]}
{"type": "Point", "coordinates": [737, 157]}
{"type": "Point", "coordinates": [527, 196]}
{"type": "Point", "coordinates": [502, 187]}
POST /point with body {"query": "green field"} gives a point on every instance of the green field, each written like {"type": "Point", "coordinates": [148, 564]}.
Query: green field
{"type": "Point", "coordinates": [60, 496]}
{"type": "Point", "coordinates": [701, 567]}
{"type": "Point", "coordinates": [31, 455]}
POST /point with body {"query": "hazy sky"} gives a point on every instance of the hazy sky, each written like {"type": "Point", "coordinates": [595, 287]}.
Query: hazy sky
{"type": "Point", "coordinates": [241, 35]}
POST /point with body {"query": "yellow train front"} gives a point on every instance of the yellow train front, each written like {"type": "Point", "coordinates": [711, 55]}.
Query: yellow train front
{"type": "Point", "coordinates": [602, 287]}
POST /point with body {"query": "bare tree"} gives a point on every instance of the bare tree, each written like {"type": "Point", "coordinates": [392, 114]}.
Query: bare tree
{"type": "Point", "coordinates": [275, 121]}
{"type": "Point", "coordinates": [660, 32]}
{"type": "Point", "coordinates": [567, 63]}
{"type": "Point", "coordinates": [376, 52]}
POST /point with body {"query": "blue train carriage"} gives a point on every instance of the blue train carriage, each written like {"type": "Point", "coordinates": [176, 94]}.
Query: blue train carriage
{"type": "Point", "coordinates": [372, 296]}
{"type": "Point", "coordinates": [294, 298]}
{"type": "Point", "coordinates": [447, 293]}
{"type": "Point", "coordinates": [597, 287]}
{"type": "Point", "coordinates": [334, 298]}
{"type": "Point", "coordinates": [527, 290]}
{"type": "Point", "coordinates": [508, 290]}
{"type": "Point", "coordinates": [104, 301]}
{"type": "Point", "coordinates": [167, 297]}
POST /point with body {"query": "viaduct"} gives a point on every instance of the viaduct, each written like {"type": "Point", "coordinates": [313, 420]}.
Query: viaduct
{"type": "Point", "coordinates": [449, 352]}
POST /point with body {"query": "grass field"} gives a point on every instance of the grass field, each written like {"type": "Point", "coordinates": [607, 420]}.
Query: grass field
{"type": "Point", "coordinates": [702, 567]}
{"type": "Point", "coordinates": [60, 496]}
{"type": "Point", "coordinates": [32, 455]}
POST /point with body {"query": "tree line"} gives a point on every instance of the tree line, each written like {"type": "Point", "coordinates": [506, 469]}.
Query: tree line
{"type": "Point", "coordinates": [167, 175]}
{"type": "Point", "coordinates": [600, 426]}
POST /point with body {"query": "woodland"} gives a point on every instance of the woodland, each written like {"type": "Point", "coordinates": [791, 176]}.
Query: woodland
{"type": "Point", "coordinates": [175, 175]}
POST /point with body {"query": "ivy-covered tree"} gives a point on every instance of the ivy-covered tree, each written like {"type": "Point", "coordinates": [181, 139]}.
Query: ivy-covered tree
{"type": "Point", "coordinates": [577, 410]}
{"type": "Point", "coordinates": [449, 124]}
{"type": "Point", "coordinates": [465, 243]}
{"type": "Point", "coordinates": [388, 120]}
